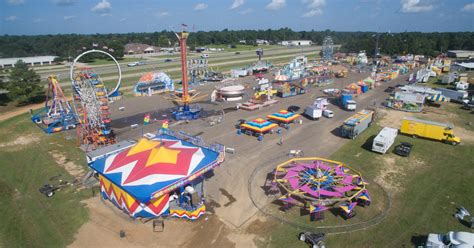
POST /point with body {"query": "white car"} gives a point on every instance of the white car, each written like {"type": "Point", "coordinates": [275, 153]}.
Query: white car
{"type": "Point", "coordinates": [205, 56]}
{"type": "Point", "coordinates": [328, 113]}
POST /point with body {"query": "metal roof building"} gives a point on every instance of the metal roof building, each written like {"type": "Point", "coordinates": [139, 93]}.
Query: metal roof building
{"type": "Point", "coordinates": [460, 54]}
{"type": "Point", "coordinates": [37, 60]}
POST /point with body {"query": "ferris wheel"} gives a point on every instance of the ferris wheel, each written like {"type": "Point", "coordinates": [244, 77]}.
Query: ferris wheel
{"type": "Point", "coordinates": [91, 104]}
{"type": "Point", "coordinates": [328, 48]}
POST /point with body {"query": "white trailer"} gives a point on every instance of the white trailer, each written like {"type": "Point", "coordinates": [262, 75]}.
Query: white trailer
{"type": "Point", "coordinates": [384, 140]}
{"type": "Point", "coordinates": [454, 95]}
{"type": "Point", "coordinates": [313, 112]}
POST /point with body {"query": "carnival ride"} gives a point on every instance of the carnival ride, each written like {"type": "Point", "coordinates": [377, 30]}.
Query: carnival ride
{"type": "Point", "coordinates": [57, 114]}
{"type": "Point", "coordinates": [161, 175]}
{"type": "Point", "coordinates": [91, 104]}
{"type": "Point", "coordinates": [229, 91]}
{"type": "Point", "coordinates": [186, 111]}
{"type": "Point", "coordinates": [153, 83]}
{"type": "Point", "coordinates": [328, 48]}
{"type": "Point", "coordinates": [321, 184]}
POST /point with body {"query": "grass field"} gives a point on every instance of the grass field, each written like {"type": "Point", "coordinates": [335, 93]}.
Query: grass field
{"type": "Point", "coordinates": [427, 188]}
{"type": "Point", "coordinates": [28, 218]}
{"type": "Point", "coordinates": [109, 62]}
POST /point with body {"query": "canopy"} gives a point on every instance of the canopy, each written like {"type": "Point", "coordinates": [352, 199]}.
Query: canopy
{"type": "Point", "coordinates": [154, 167]}
{"type": "Point", "coordinates": [283, 116]}
{"type": "Point", "coordinates": [437, 98]}
{"type": "Point", "coordinates": [259, 125]}
{"type": "Point", "coordinates": [348, 207]}
{"type": "Point", "coordinates": [281, 78]}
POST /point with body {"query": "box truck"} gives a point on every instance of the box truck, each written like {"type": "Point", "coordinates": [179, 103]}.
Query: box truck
{"type": "Point", "coordinates": [384, 140]}
{"type": "Point", "coordinates": [356, 124]}
{"type": "Point", "coordinates": [454, 95]}
{"type": "Point", "coordinates": [429, 129]}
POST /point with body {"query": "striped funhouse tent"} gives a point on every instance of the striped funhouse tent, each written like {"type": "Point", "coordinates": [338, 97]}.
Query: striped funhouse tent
{"type": "Point", "coordinates": [140, 179]}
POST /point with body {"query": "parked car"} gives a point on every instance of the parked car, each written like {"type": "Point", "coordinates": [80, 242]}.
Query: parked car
{"type": "Point", "coordinates": [205, 56]}
{"type": "Point", "coordinates": [451, 239]}
{"type": "Point", "coordinates": [293, 108]}
{"type": "Point", "coordinates": [237, 53]}
{"type": "Point", "coordinates": [328, 113]}
{"type": "Point", "coordinates": [136, 63]}
{"type": "Point", "coordinates": [313, 239]}
{"type": "Point", "coordinates": [404, 149]}
{"type": "Point", "coordinates": [168, 60]}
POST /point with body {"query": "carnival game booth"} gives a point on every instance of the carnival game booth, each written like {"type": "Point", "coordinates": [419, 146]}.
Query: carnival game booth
{"type": "Point", "coordinates": [257, 127]}
{"type": "Point", "coordinates": [153, 83]}
{"type": "Point", "coordinates": [283, 118]}
{"type": "Point", "coordinates": [158, 176]}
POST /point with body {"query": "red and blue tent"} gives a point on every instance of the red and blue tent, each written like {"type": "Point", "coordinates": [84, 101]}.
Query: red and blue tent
{"type": "Point", "coordinates": [139, 179]}
{"type": "Point", "coordinates": [259, 125]}
{"type": "Point", "coordinates": [283, 116]}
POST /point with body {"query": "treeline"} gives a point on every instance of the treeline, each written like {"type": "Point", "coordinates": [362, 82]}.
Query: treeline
{"type": "Point", "coordinates": [69, 45]}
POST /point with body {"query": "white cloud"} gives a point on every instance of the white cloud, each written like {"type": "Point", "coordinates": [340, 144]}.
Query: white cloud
{"type": "Point", "coordinates": [102, 6]}
{"type": "Point", "coordinates": [15, 2]}
{"type": "Point", "coordinates": [64, 2]}
{"type": "Point", "coordinates": [237, 3]}
{"type": "Point", "coordinates": [313, 12]}
{"type": "Point", "coordinates": [468, 7]}
{"type": "Point", "coordinates": [200, 6]}
{"type": "Point", "coordinates": [11, 18]}
{"type": "Point", "coordinates": [246, 12]}
{"type": "Point", "coordinates": [162, 14]}
{"type": "Point", "coordinates": [38, 20]}
{"type": "Point", "coordinates": [315, 4]}
{"type": "Point", "coordinates": [105, 14]}
{"type": "Point", "coordinates": [69, 17]}
{"type": "Point", "coordinates": [276, 4]}
{"type": "Point", "coordinates": [415, 6]}
{"type": "Point", "coordinates": [315, 7]}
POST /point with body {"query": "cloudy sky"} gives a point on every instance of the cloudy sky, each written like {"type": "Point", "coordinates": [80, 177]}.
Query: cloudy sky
{"type": "Point", "coordinates": [121, 16]}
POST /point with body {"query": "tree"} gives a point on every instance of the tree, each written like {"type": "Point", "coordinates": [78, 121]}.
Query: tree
{"type": "Point", "coordinates": [24, 85]}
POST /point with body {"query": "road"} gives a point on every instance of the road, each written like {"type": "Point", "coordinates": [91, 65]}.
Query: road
{"type": "Point", "coordinates": [315, 138]}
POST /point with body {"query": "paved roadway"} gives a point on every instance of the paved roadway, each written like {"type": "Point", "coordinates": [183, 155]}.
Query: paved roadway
{"type": "Point", "coordinates": [315, 138]}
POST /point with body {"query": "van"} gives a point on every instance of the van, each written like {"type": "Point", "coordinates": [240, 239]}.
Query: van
{"type": "Point", "coordinates": [328, 113]}
{"type": "Point", "coordinates": [384, 140]}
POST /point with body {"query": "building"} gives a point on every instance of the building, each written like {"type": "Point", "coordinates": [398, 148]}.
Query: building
{"type": "Point", "coordinates": [138, 48]}
{"type": "Point", "coordinates": [38, 60]}
{"type": "Point", "coordinates": [460, 54]}
{"type": "Point", "coordinates": [296, 43]}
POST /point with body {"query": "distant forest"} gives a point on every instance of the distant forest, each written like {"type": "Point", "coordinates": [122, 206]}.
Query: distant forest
{"type": "Point", "coordinates": [68, 45]}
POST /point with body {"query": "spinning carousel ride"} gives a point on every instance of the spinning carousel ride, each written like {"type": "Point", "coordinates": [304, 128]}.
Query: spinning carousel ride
{"type": "Point", "coordinates": [321, 184]}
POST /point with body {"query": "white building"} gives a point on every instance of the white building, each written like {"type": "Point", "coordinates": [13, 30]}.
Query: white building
{"type": "Point", "coordinates": [460, 54]}
{"type": "Point", "coordinates": [296, 43]}
{"type": "Point", "coordinates": [38, 60]}
{"type": "Point", "coordinates": [262, 42]}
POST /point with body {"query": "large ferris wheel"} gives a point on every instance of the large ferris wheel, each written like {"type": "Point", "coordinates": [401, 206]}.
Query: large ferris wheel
{"type": "Point", "coordinates": [91, 104]}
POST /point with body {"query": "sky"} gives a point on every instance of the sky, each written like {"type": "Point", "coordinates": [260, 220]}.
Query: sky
{"type": "Point", "coordinates": [32, 17]}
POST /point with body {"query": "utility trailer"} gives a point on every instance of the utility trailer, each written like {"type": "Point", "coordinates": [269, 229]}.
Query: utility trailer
{"type": "Point", "coordinates": [356, 124]}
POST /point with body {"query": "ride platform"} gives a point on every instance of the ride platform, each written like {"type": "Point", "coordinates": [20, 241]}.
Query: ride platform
{"type": "Point", "coordinates": [250, 106]}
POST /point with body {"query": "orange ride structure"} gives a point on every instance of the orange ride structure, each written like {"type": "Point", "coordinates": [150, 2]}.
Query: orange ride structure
{"type": "Point", "coordinates": [186, 111]}
{"type": "Point", "coordinates": [320, 184]}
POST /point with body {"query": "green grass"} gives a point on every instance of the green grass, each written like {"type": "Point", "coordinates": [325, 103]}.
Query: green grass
{"type": "Point", "coordinates": [28, 218]}
{"type": "Point", "coordinates": [432, 182]}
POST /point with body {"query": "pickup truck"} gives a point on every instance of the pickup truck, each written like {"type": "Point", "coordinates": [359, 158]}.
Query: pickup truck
{"type": "Point", "coordinates": [451, 239]}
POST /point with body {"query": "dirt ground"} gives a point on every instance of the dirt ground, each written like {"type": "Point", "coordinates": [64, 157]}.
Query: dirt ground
{"type": "Point", "coordinates": [106, 222]}
{"type": "Point", "coordinates": [19, 142]}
